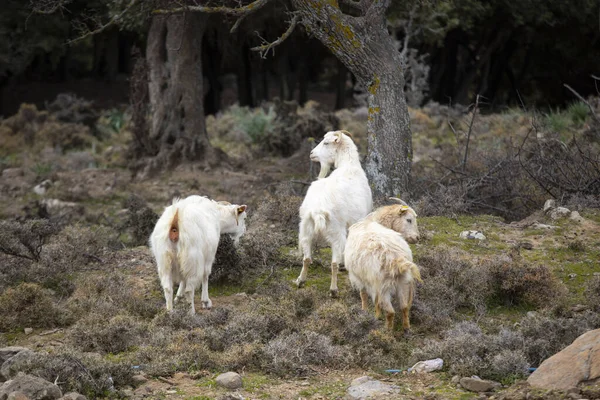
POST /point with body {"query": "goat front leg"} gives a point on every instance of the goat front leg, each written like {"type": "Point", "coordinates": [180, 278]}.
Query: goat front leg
{"type": "Point", "coordinates": [180, 291]}
{"type": "Point", "coordinates": [206, 303]}
{"type": "Point", "coordinates": [364, 299]}
{"type": "Point", "coordinates": [386, 304]}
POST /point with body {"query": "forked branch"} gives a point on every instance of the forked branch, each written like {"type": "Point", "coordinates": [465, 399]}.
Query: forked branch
{"type": "Point", "coordinates": [264, 48]}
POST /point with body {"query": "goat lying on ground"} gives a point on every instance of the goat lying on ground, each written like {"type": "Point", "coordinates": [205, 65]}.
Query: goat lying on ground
{"type": "Point", "coordinates": [333, 203]}
{"type": "Point", "coordinates": [184, 243]}
{"type": "Point", "coordinates": [379, 260]}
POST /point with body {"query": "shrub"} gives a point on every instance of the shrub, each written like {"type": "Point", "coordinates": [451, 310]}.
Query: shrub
{"type": "Point", "coordinates": [578, 112]}
{"type": "Point", "coordinates": [95, 334]}
{"type": "Point", "coordinates": [592, 293]}
{"type": "Point", "coordinates": [139, 220]}
{"type": "Point", "coordinates": [343, 324]}
{"type": "Point", "coordinates": [29, 306]}
{"type": "Point", "coordinates": [25, 239]}
{"type": "Point", "coordinates": [294, 353]}
{"type": "Point", "coordinates": [228, 266]}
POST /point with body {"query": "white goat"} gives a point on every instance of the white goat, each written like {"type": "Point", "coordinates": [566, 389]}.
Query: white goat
{"type": "Point", "coordinates": [333, 203]}
{"type": "Point", "coordinates": [184, 243]}
{"type": "Point", "coordinates": [379, 260]}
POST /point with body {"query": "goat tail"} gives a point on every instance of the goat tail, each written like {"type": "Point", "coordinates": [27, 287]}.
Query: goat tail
{"type": "Point", "coordinates": [320, 221]}
{"type": "Point", "coordinates": [403, 266]}
{"type": "Point", "coordinates": [174, 227]}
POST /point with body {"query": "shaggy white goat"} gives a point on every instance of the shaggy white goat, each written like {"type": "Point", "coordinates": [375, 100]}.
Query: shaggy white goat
{"type": "Point", "coordinates": [379, 260]}
{"type": "Point", "coordinates": [184, 243]}
{"type": "Point", "coordinates": [333, 203]}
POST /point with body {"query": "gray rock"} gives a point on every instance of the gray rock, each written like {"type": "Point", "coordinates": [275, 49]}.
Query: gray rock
{"type": "Point", "coordinates": [576, 217]}
{"type": "Point", "coordinates": [31, 386]}
{"type": "Point", "coordinates": [73, 396]}
{"type": "Point", "coordinates": [360, 380]}
{"type": "Point", "coordinates": [478, 385]}
{"type": "Point", "coordinates": [139, 380]}
{"type": "Point", "coordinates": [549, 205]}
{"type": "Point", "coordinates": [230, 380]}
{"type": "Point", "coordinates": [371, 389]}
{"type": "Point", "coordinates": [10, 367]}
{"type": "Point", "coordinates": [559, 213]}
{"type": "Point", "coordinates": [537, 225]}
{"type": "Point", "coordinates": [17, 396]}
{"type": "Point", "coordinates": [472, 235]}
{"type": "Point", "coordinates": [8, 352]}
{"type": "Point", "coordinates": [28, 331]}
{"type": "Point", "coordinates": [455, 379]}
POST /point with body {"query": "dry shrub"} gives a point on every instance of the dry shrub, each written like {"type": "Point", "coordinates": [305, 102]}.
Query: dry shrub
{"type": "Point", "coordinates": [467, 351]}
{"type": "Point", "coordinates": [240, 356]}
{"type": "Point", "coordinates": [592, 293]}
{"type": "Point", "coordinates": [95, 334]}
{"type": "Point", "coordinates": [451, 281]}
{"type": "Point", "coordinates": [343, 324]}
{"type": "Point", "coordinates": [228, 266]}
{"type": "Point", "coordinates": [294, 353]}
{"type": "Point", "coordinates": [85, 373]}
{"type": "Point", "coordinates": [523, 284]}
{"type": "Point", "coordinates": [548, 334]}
{"type": "Point", "coordinates": [139, 220]}
{"type": "Point", "coordinates": [25, 239]}
{"type": "Point", "coordinates": [179, 319]}
{"type": "Point", "coordinates": [30, 306]}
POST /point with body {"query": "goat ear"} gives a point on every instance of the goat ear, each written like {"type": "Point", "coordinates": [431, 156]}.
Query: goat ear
{"type": "Point", "coordinates": [241, 209]}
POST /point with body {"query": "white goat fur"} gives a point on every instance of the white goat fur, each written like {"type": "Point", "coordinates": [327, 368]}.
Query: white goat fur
{"type": "Point", "coordinates": [379, 260]}
{"type": "Point", "coordinates": [184, 243]}
{"type": "Point", "coordinates": [333, 203]}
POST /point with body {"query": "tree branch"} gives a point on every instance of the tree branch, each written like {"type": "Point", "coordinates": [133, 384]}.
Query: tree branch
{"type": "Point", "coordinates": [580, 97]}
{"type": "Point", "coordinates": [47, 7]}
{"type": "Point", "coordinates": [235, 11]}
{"type": "Point", "coordinates": [103, 27]}
{"type": "Point", "coordinates": [264, 48]}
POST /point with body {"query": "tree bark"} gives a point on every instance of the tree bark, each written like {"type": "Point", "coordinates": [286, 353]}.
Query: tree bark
{"type": "Point", "coordinates": [174, 50]}
{"type": "Point", "coordinates": [364, 45]}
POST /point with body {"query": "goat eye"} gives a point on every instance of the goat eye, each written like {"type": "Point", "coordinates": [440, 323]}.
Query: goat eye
{"type": "Point", "coordinates": [409, 221]}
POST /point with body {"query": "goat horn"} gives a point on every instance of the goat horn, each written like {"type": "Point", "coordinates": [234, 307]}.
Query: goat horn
{"type": "Point", "coordinates": [345, 132]}
{"type": "Point", "coordinates": [396, 199]}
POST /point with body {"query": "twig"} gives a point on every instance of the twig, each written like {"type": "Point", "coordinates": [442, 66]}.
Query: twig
{"type": "Point", "coordinates": [165, 380]}
{"type": "Point", "coordinates": [236, 12]}
{"type": "Point", "coordinates": [264, 48]}
{"type": "Point", "coordinates": [464, 163]}
{"type": "Point", "coordinates": [302, 182]}
{"type": "Point", "coordinates": [102, 28]}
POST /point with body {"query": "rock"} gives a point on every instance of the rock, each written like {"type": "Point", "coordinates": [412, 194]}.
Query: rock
{"type": "Point", "coordinates": [12, 173]}
{"type": "Point", "coordinates": [478, 385]}
{"type": "Point", "coordinates": [559, 213]}
{"type": "Point", "coordinates": [17, 396]}
{"type": "Point", "coordinates": [549, 205]}
{"type": "Point", "coordinates": [229, 380]}
{"type": "Point", "coordinates": [231, 396]}
{"type": "Point", "coordinates": [28, 331]}
{"type": "Point", "coordinates": [427, 366]}
{"type": "Point", "coordinates": [73, 396]}
{"type": "Point", "coordinates": [42, 188]}
{"type": "Point", "coordinates": [537, 225]}
{"type": "Point", "coordinates": [472, 235]}
{"type": "Point", "coordinates": [8, 352]}
{"type": "Point", "coordinates": [370, 389]}
{"type": "Point", "coordinates": [31, 386]}
{"type": "Point", "coordinates": [360, 380]}
{"type": "Point", "coordinates": [526, 245]}
{"type": "Point", "coordinates": [578, 362]}
{"type": "Point", "coordinates": [576, 217]}
{"type": "Point", "coordinates": [10, 367]}
{"type": "Point", "coordinates": [455, 379]}
{"type": "Point", "coordinates": [139, 380]}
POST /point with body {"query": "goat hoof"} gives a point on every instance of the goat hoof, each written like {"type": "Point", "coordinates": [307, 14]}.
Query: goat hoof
{"type": "Point", "coordinates": [299, 283]}
{"type": "Point", "coordinates": [207, 305]}
{"type": "Point", "coordinates": [342, 268]}
{"type": "Point", "coordinates": [333, 293]}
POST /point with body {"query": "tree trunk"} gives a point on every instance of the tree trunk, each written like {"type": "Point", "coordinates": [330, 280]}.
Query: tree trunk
{"type": "Point", "coordinates": [174, 50]}
{"type": "Point", "coordinates": [366, 48]}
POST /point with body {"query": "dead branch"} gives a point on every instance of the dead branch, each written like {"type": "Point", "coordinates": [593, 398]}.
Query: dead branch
{"type": "Point", "coordinates": [264, 48]}
{"type": "Point", "coordinates": [464, 163]}
{"type": "Point", "coordinates": [47, 7]}
{"type": "Point", "coordinates": [233, 11]}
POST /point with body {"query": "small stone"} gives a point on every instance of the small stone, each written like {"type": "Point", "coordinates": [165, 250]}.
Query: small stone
{"type": "Point", "coordinates": [572, 276]}
{"type": "Point", "coordinates": [360, 380]}
{"type": "Point", "coordinates": [472, 235]}
{"type": "Point", "coordinates": [127, 393]}
{"type": "Point", "coordinates": [28, 331]}
{"type": "Point", "coordinates": [549, 205]}
{"type": "Point", "coordinates": [73, 396]}
{"type": "Point", "coordinates": [526, 245]}
{"type": "Point", "coordinates": [455, 379]}
{"type": "Point", "coordinates": [559, 212]}
{"type": "Point", "coordinates": [371, 389]}
{"type": "Point", "coordinates": [575, 216]}
{"type": "Point", "coordinates": [230, 380]}
{"type": "Point", "coordinates": [478, 385]}
{"type": "Point", "coordinates": [577, 308]}
{"type": "Point", "coordinates": [537, 225]}
{"type": "Point", "coordinates": [41, 188]}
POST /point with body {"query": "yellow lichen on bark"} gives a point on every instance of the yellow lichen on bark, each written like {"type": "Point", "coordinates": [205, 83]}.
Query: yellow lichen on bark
{"type": "Point", "coordinates": [375, 85]}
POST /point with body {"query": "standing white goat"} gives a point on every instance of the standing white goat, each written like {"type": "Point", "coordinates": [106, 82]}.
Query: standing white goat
{"type": "Point", "coordinates": [184, 243]}
{"type": "Point", "coordinates": [333, 203]}
{"type": "Point", "coordinates": [380, 262]}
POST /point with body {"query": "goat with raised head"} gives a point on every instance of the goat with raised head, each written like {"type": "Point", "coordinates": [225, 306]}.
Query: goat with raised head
{"type": "Point", "coordinates": [184, 243]}
{"type": "Point", "coordinates": [333, 203]}
{"type": "Point", "coordinates": [379, 260]}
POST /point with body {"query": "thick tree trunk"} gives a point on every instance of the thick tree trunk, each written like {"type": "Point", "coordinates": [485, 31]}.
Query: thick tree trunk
{"type": "Point", "coordinates": [366, 48]}
{"type": "Point", "coordinates": [174, 50]}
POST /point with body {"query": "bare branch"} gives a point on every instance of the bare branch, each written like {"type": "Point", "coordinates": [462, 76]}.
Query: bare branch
{"type": "Point", "coordinates": [47, 7]}
{"type": "Point", "coordinates": [264, 48]}
{"type": "Point", "coordinates": [236, 11]}
{"type": "Point", "coordinates": [377, 9]}
{"type": "Point", "coordinates": [107, 25]}
{"type": "Point", "coordinates": [464, 163]}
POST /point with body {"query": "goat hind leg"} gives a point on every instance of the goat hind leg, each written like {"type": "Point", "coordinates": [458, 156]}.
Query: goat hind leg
{"type": "Point", "coordinates": [337, 255]}
{"type": "Point", "coordinates": [364, 299]}
{"type": "Point", "coordinates": [306, 247]}
{"type": "Point", "coordinates": [206, 302]}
